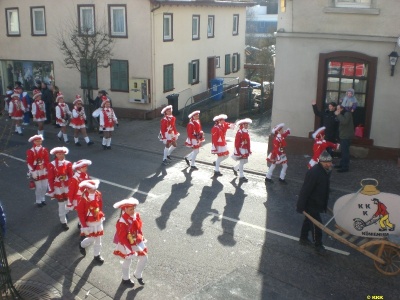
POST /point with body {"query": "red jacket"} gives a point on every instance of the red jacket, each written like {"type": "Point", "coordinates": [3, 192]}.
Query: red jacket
{"type": "Point", "coordinates": [90, 210]}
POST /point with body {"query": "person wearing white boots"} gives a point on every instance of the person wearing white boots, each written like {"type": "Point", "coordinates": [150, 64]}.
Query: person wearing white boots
{"type": "Point", "coordinates": [195, 136]}
{"type": "Point", "coordinates": [37, 159]}
{"type": "Point", "coordinates": [91, 217]}
{"type": "Point", "coordinates": [38, 110]}
{"type": "Point", "coordinates": [78, 121]}
{"type": "Point", "coordinates": [62, 115]}
{"type": "Point", "coordinates": [242, 148]}
{"type": "Point", "coordinates": [129, 241]}
{"type": "Point", "coordinates": [107, 121]}
{"type": "Point", "coordinates": [218, 143]}
{"type": "Point", "coordinates": [16, 111]}
{"type": "Point", "coordinates": [168, 133]}
{"type": "Point", "coordinates": [60, 173]}
{"type": "Point", "coordinates": [278, 155]}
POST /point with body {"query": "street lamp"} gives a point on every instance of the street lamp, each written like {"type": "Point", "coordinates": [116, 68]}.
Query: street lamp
{"type": "Point", "coordinates": [393, 57]}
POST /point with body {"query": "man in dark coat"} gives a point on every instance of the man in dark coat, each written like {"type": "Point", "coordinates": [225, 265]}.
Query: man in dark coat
{"type": "Point", "coordinates": [346, 134]}
{"type": "Point", "coordinates": [47, 97]}
{"type": "Point", "coordinates": [313, 199]}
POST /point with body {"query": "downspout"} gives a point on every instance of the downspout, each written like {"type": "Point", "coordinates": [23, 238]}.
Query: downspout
{"type": "Point", "coordinates": [153, 83]}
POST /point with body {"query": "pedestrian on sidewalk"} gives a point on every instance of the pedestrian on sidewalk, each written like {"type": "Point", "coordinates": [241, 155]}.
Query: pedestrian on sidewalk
{"type": "Point", "coordinates": [7, 99]}
{"type": "Point", "coordinates": [26, 100]}
{"type": "Point", "coordinates": [60, 173]}
{"type": "Point", "coordinates": [313, 199]}
{"type": "Point", "coordinates": [277, 155]}
{"type": "Point", "coordinates": [346, 134]}
{"type": "Point", "coordinates": [129, 241]}
{"type": "Point", "coordinates": [48, 99]}
{"type": "Point", "coordinates": [16, 111]}
{"type": "Point", "coordinates": [242, 148]}
{"type": "Point", "coordinates": [37, 159]}
{"type": "Point", "coordinates": [218, 143]}
{"type": "Point", "coordinates": [320, 145]}
{"type": "Point", "coordinates": [195, 136]}
{"type": "Point", "coordinates": [91, 216]}
{"type": "Point", "coordinates": [78, 121]}
{"type": "Point", "coordinates": [107, 121]}
{"type": "Point", "coordinates": [63, 114]}
{"type": "Point", "coordinates": [168, 133]}
{"type": "Point", "coordinates": [38, 110]}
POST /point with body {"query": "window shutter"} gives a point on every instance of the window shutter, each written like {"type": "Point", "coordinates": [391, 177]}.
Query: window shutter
{"type": "Point", "coordinates": [114, 75]}
{"type": "Point", "coordinates": [227, 64]}
{"type": "Point", "coordinates": [124, 76]}
{"type": "Point", "coordinates": [190, 73]}
{"type": "Point", "coordinates": [238, 61]}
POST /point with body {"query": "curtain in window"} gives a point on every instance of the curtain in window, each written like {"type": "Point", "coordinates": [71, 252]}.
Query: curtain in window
{"type": "Point", "coordinates": [14, 21]}
{"type": "Point", "coordinates": [87, 20]}
{"type": "Point", "coordinates": [118, 20]}
{"type": "Point", "coordinates": [39, 20]}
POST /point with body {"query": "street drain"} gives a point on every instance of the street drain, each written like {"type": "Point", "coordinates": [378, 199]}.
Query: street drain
{"type": "Point", "coordinates": [31, 290]}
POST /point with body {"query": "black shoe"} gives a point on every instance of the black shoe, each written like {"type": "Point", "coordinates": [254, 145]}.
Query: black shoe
{"type": "Point", "coordinates": [194, 168]}
{"type": "Point", "coordinates": [108, 147]}
{"type": "Point", "coordinates": [78, 144]}
{"type": "Point", "coordinates": [82, 250]}
{"type": "Point", "coordinates": [90, 143]}
{"type": "Point", "coordinates": [217, 174]}
{"type": "Point", "coordinates": [268, 180]}
{"type": "Point", "coordinates": [320, 249]}
{"type": "Point", "coordinates": [104, 147]}
{"type": "Point", "coordinates": [165, 162]}
{"type": "Point", "coordinates": [234, 171]}
{"type": "Point", "coordinates": [187, 161]}
{"type": "Point", "coordinates": [98, 259]}
{"type": "Point", "coordinates": [169, 157]}
{"type": "Point", "coordinates": [305, 242]}
{"type": "Point", "coordinates": [243, 179]}
{"type": "Point", "coordinates": [282, 181]}
{"type": "Point", "coordinates": [67, 142]}
{"type": "Point", "coordinates": [382, 229]}
{"type": "Point", "coordinates": [40, 205]}
{"type": "Point", "coordinates": [392, 229]}
{"type": "Point", "coordinates": [64, 226]}
{"type": "Point", "coordinates": [44, 203]}
{"type": "Point", "coordinates": [140, 280]}
{"type": "Point", "coordinates": [128, 283]}
{"type": "Point", "coordinates": [342, 170]}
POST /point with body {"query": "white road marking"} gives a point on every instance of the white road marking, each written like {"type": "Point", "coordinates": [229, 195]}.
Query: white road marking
{"type": "Point", "coordinates": [272, 232]}
{"type": "Point", "coordinates": [102, 180]}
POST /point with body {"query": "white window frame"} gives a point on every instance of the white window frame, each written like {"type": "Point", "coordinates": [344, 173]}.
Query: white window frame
{"type": "Point", "coordinates": [81, 8]}
{"type": "Point", "coordinates": [11, 30]}
{"type": "Point", "coordinates": [353, 4]}
{"type": "Point", "coordinates": [210, 26]}
{"type": "Point", "coordinates": [168, 20]}
{"type": "Point", "coordinates": [35, 31]}
{"type": "Point", "coordinates": [195, 71]}
{"type": "Point", "coordinates": [195, 27]}
{"type": "Point", "coordinates": [114, 33]}
{"type": "Point", "coordinates": [235, 30]}
{"type": "Point", "coordinates": [217, 62]}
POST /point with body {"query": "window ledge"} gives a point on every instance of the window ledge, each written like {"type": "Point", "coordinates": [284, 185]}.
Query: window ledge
{"type": "Point", "coordinates": [352, 10]}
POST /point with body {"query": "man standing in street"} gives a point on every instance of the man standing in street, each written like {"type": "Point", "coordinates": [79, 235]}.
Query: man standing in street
{"type": "Point", "coordinates": [346, 133]}
{"type": "Point", "coordinates": [313, 199]}
{"type": "Point", "coordinates": [47, 97]}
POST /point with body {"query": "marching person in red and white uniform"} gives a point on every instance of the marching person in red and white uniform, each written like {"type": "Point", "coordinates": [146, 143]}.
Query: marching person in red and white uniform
{"type": "Point", "coordinates": [62, 115]}
{"type": "Point", "coordinates": [320, 144]}
{"type": "Point", "coordinates": [195, 136]}
{"type": "Point", "coordinates": [38, 110]}
{"type": "Point", "coordinates": [242, 148]}
{"type": "Point", "coordinates": [78, 121]}
{"type": "Point", "coordinates": [60, 173]}
{"type": "Point", "coordinates": [16, 111]}
{"type": "Point", "coordinates": [37, 159]}
{"type": "Point", "coordinates": [278, 155]}
{"type": "Point", "coordinates": [129, 241]}
{"type": "Point", "coordinates": [107, 121]}
{"type": "Point", "coordinates": [91, 216]}
{"type": "Point", "coordinates": [168, 133]}
{"type": "Point", "coordinates": [218, 143]}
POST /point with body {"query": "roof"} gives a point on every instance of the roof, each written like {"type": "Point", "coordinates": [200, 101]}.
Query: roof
{"type": "Point", "coordinates": [239, 3]}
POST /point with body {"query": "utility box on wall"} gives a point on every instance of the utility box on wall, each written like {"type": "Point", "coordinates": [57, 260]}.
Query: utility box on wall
{"type": "Point", "coordinates": [139, 90]}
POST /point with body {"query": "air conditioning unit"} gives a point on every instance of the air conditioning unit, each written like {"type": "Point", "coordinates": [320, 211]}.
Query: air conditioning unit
{"type": "Point", "coordinates": [139, 90]}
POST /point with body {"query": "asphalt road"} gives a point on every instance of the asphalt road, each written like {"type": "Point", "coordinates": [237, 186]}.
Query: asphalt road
{"type": "Point", "coordinates": [207, 238]}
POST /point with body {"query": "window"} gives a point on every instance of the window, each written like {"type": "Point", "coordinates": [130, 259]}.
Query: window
{"type": "Point", "coordinates": [193, 77]}
{"type": "Point", "coordinates": [38, 21]}
{"type": "Point", "coordinates": [88, 73]}
{"type": "Point", "coordinates": [86, 19]}
{"type": "Point", "coordinates": [235, 62]}
{"type": "Point", "coordinates": [195, 27]}
{"type": "Point", "coordinates": [119, 75]}
{"type": "Point", "coordinates": [217, 62]}
{"type": "Point", "coordinates": [12, 19]}
{"type": "Point", "coordinates": [117, 20]}
{"type": "Point", "coordinates": [283, 5]}
{"type": "Point", "coordinates": [168, 78]}
{"type": "Point", "coordinates": [168, 27]}
{"type": "Point", "coordinates": [235, 25]}
{"type": "Point", "coordinates": [227, 64]}
{"type": "Point", "coordinates": [210, 27]}
{"type": "Point", "coordinates": [353, 3]}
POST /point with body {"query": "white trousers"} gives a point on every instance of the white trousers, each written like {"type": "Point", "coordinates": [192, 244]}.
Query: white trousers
{"type": "Point", "coordinates": [95, 241]}
{"type": "Point", "coordinates": [62, 211]}
{"type": "Point", "coordinates": [239, 167]}
{"type": "Point", "coordinates": [126, 267]}
{"type": "Point", "coordinates": [40, 190]}
{"type": "Point", "coordinates": [272, 168]}
{"type": "Point", "coordinates": [218, 162]}
{"type": "Point", "coordinates": [192, 157]}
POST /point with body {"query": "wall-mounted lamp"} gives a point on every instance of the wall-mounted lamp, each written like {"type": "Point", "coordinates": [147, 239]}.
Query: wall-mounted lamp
{"type": "Point", "coordinates": [393, 57]}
